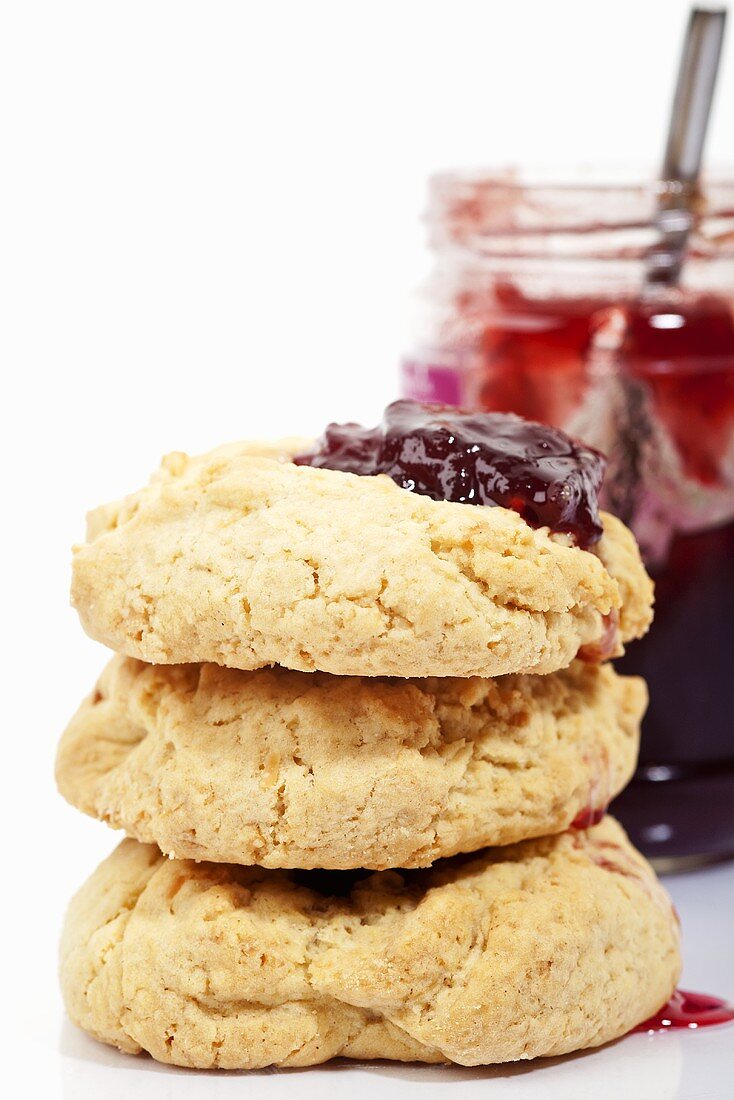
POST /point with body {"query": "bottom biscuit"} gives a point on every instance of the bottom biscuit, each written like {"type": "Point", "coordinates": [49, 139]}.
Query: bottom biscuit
{"type": "Point", "coordinates": [543, 948]}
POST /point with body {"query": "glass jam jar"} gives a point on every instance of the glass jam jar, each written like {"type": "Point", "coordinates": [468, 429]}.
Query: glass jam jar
{"type": "Point", "coordinates": [540, 303]}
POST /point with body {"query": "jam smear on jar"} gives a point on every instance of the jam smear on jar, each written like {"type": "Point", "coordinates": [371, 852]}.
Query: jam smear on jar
{"type": "Point", "coordinates": [448, 454]}
{"type": "Point", "coordinates": [689, 1010]}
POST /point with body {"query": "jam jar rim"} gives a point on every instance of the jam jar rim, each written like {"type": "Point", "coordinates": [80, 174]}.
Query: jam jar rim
{"type": "Point", "coordinates": [579, 178]}
{"type": "Point", "coordinates": [503, 213]}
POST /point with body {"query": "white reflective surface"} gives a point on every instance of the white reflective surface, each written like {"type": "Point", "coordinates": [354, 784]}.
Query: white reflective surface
{"type": "Point", "coordinates": [673, 1066]}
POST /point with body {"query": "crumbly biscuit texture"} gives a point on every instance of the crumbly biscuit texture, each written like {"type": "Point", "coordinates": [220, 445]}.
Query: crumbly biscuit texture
{"type": "Point", "coordinates": [241, 558]}
{"type": "Point", "coordinates": [293, 769]}
{"type": "Point", "coordinates": [538, 949]}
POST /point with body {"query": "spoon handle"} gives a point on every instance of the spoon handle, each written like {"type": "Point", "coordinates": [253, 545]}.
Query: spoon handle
{"type": "Point", "coordinates": [689, 118]}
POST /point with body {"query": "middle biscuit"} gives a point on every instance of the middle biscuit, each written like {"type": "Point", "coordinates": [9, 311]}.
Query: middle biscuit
{"type": "Point", "coordinates": [293, 769]}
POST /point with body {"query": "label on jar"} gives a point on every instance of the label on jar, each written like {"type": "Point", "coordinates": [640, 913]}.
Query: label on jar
{"type": "Point", "coordinates": [431, 382]}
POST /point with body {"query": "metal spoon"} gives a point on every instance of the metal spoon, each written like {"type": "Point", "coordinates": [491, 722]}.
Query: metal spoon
{"type": "Point", "coordinates": [679, 176]}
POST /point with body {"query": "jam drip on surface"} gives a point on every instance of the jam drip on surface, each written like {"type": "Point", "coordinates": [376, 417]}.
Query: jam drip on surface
{"type": "Point", "coordinates": [689, 1010]}
{"type": "Point", "coordinates": [475, 458]}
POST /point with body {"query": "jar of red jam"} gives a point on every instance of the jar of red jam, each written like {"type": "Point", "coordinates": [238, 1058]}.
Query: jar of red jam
{"type": "Point", "coordinates": [541, 303]}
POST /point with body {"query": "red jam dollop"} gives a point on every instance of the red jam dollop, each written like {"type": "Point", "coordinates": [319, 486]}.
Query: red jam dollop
{"type": "Point", "coordinates": [689, 1010]}
{"type": "Point", "coordinates": [475, 458]}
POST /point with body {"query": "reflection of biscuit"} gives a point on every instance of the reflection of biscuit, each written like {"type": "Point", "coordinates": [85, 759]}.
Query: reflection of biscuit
{"type": "Point", "coordinates": [538, 949]}
{"type": "Point", "coordinates": [246, 561]}
{"type": "Point", "coordinates": [293, 769]}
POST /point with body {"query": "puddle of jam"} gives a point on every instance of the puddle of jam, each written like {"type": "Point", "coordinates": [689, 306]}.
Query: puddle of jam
{"type": "Point", "coordinates": [689, 1010]}
{"type": "Point", "coordinates": [475, 458]}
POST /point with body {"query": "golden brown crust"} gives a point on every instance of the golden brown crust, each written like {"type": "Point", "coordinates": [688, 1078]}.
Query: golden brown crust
{"type": "Point", "coordinates": [244, 559]}
{"type": "Point", "coordinates": [289, 769]}
{"type": "Point", "coordinates": [539, 949]}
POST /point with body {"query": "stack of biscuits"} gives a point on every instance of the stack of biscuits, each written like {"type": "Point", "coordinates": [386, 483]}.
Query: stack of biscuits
{"type": "Point", "coordinates": [362, 773]}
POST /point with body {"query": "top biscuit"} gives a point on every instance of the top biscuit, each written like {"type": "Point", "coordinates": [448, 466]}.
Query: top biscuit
{"type": "Point", "coordinates": [241, 558]}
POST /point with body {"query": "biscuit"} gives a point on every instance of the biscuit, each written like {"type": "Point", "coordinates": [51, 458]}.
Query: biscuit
{"type": "Point", "coordinates": [539, 949]}
{"type": "Point", "coordinates": [293, 769]}
{"type": "Point", "coordinates": [245, 560]}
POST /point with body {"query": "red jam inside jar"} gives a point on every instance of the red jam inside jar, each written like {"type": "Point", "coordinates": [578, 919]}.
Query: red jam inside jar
{"type": "Point", "coordinates": [538, 306]}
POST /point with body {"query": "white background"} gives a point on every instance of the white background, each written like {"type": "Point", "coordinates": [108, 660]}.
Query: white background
{"type": "Point", "coordinates": [209, 225]}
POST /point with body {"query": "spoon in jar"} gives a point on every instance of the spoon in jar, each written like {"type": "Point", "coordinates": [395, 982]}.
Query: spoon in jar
{"type": "Point", "coordinates": [679, 194]}
{"type": "Point", "coordinates": [659, 326]}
